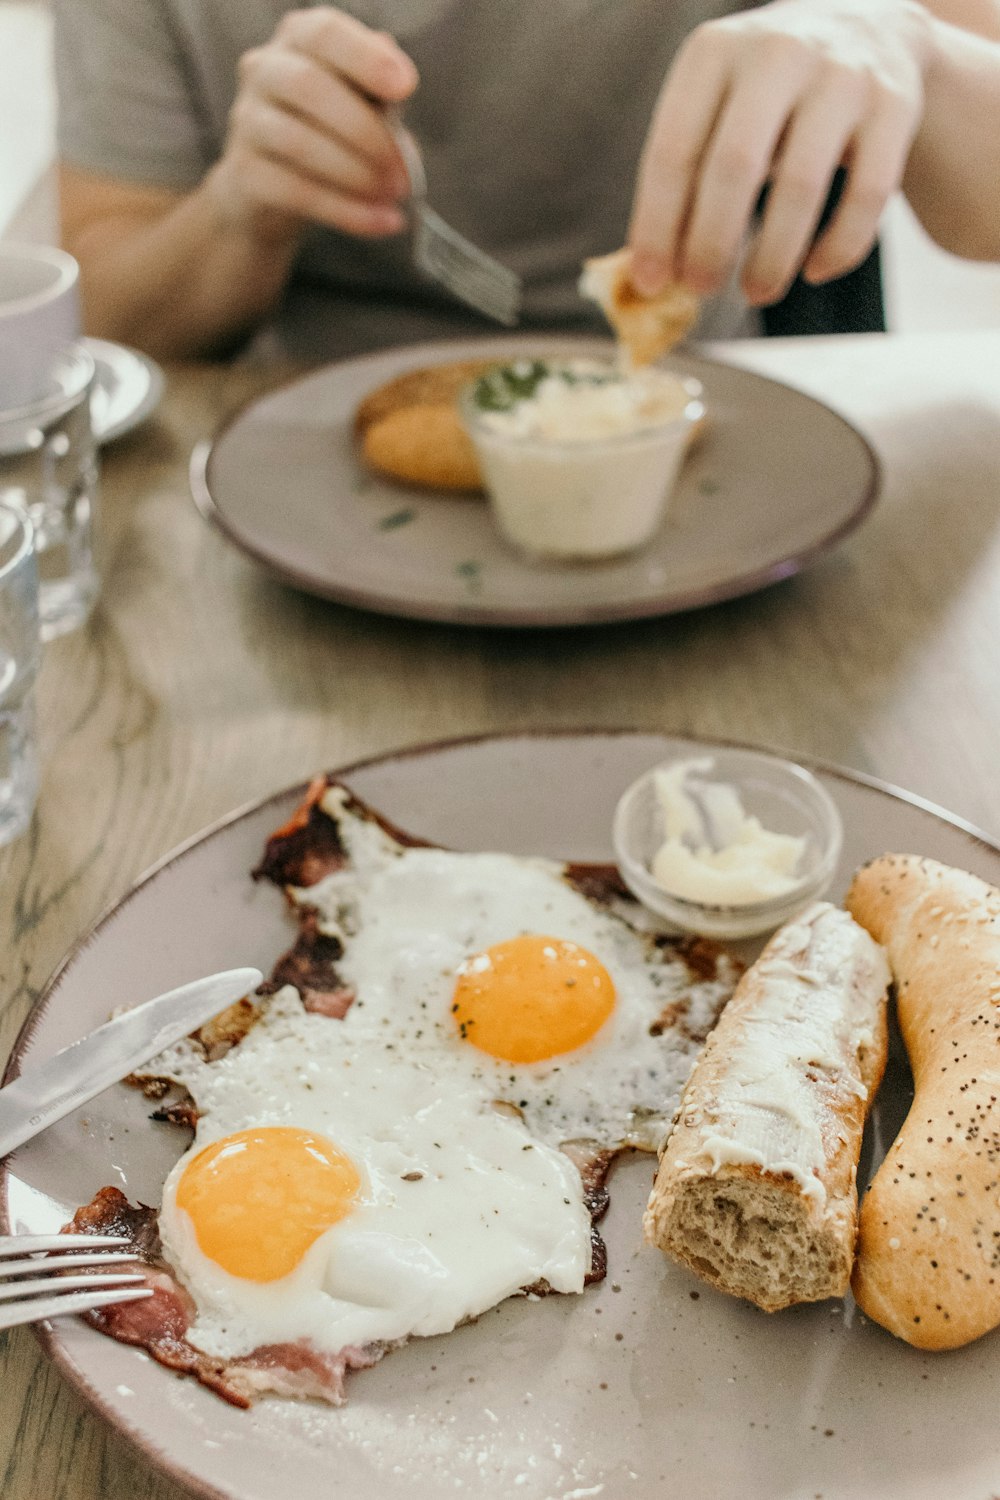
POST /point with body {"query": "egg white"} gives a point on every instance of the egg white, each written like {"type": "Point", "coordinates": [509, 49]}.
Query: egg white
{"type": "Point", "coordinates": [492, 1211]}
{"type": "Point", "coordinates": [497, 1207]}
{"type": "Point", "coordinates": [408, 918]}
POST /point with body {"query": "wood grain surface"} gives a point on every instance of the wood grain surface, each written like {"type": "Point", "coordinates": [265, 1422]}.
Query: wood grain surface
{"type": "Point", "coordinates": [200, 684]}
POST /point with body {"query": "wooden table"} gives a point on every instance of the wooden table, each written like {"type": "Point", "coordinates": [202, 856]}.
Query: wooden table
{"type": "Point", "coordinates": [200, 685]}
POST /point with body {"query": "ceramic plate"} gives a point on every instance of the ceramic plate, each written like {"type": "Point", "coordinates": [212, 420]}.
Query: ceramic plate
{"type": "Point", "coordinates": [649, 1384]}
{"type": "Point", "coordinates": [127, 390]}
{"type": "Point", "coordinates": [776, 479]}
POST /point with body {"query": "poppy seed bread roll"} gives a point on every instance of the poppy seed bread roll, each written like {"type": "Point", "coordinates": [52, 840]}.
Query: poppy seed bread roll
{"type": "Point", "coordinates": [756, 1188]}
{"type": "Point", "coordinates": [928, 1266]}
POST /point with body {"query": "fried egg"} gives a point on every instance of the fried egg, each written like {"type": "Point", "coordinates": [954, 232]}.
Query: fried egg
{"type": "Point", "coordinates": [398, 1171]}
{"type": "Point", "coordinates": [365, 1204]}
{"type": "Point", "coordinates": [496, 971]}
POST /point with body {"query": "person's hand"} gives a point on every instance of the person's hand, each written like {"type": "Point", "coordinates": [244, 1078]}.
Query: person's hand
{"type": "Point", "coordinates": [308, 137]}
{"type": "Point", "coordinates": [783, 96]}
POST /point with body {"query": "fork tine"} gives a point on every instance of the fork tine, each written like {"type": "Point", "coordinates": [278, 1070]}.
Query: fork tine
{"type": "Point", "coordinates": [76, 1302]}
{"type": "Point", "coordinates": [441, 252]}
{"type": "Point", "coordinates": [14, 1289]}
{"type": "Point", "coordinates": [29, 1244]}
{"type": "Point", "coordinates": [459, 254]}
{"type": "Point", "coordinates": [469, 272]}
{"type": "Point", "coordinates": [32, 1267]}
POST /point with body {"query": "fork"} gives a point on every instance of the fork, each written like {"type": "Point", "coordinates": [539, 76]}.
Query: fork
{"type": "Point", "coordinates": [23, 1255]}
{"type": "Point", "coordinates": [442, 253]}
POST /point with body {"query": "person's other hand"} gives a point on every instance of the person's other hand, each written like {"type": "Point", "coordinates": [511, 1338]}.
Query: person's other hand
{"type": "Point", "coordinates": [308, 138]}
{"type": "Point", "coordinates": [783, 96]}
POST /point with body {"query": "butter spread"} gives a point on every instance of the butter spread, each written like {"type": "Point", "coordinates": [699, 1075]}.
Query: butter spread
{"type": "Point", "coordinates": [714, 851]}
{"type": "Point", "coordinates": [793, 1057]}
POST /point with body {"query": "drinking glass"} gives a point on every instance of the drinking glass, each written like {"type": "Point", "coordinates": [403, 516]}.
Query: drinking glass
{"type": "Point", "coordinates": [48, 466]}
{"type": "Point", "coordinates": [20, 651]}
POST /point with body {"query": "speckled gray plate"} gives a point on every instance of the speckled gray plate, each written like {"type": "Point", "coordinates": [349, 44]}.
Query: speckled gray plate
{"type": "Point", "coordinates": [776, 480]}
{"type": "Point", "coordinates": [648, 1385]}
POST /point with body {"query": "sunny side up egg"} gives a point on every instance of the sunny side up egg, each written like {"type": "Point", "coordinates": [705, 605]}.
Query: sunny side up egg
{"type": "Point", "coordinates": [364, 1205]}
{"type": "Point", "coordinates": [352, 1181]}
{"type": "Point", "coordinates": [495, 971]}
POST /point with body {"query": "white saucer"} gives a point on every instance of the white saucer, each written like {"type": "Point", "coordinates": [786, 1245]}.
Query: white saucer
{"type": "Point", "coordinates": [128, 388]}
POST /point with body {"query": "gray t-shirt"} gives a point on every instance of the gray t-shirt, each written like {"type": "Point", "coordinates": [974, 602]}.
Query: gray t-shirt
{"type": "Point", "coordinates": [531, 115]}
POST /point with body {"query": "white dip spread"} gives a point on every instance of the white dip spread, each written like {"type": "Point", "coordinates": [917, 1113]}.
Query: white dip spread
{"type": "Point", "coordinates": [714, 852]}
{"type": "Point", "coordinates": [579, 459]}
{"type": "Point", "coordinates": [579, 401]}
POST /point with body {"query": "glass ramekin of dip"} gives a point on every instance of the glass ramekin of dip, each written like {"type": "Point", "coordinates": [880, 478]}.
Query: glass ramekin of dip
{"type": "Point", "coordinates": [728, 844]}
{"type": "Point", "coordinates": [580, 459]}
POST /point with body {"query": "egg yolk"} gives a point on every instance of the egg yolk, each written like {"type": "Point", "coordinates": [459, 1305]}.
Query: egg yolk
{"type": "Point", "coordinates": [258, 1199]}
{"type": "Point", "coordinates": [532, 998]}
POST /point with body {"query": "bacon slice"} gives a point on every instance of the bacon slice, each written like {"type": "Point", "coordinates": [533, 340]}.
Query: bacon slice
{"type": "Point", "coordinates": [593, 1165]}
{"type": "Point", "coordinates": [159, 1323]}
{"type": "Point", "coordinates": [306, 848]}
{"type": "Point", "coordinates": [311, 966]}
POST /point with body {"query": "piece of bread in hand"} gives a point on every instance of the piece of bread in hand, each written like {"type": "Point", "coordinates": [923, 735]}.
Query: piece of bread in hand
{"type": "Point", "coordinates": [646, 327]}
{"type": "Point", "coordinates": [410, 429]}
{"type": "Point", "coordinates": [756, 1189]}
{"type": "Point", "coordinates": [928, 1266]}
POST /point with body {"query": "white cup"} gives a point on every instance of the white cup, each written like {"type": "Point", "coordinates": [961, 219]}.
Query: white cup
{"type": "Point", "coordinates": [39, 315]}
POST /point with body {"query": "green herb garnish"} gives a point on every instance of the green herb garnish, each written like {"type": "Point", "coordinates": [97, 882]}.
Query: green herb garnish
{"type": "Point", "coordinates": [501, 388]}
{"type": "Point", "coordinates": [471, 572]}
{"type": "Point", "coordinates": [396, 518]}
{"type": "Point", "coordinates": [504, 386]}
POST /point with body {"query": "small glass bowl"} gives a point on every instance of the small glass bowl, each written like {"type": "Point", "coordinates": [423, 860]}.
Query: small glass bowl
{"type": "Point", "coordinates": [785, 797]}
{"type": "Point", "coordinates": [589, 498]}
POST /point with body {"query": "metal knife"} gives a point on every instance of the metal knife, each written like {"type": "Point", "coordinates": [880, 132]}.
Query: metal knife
{"type": "Point", "coordinates": [52, 1089]}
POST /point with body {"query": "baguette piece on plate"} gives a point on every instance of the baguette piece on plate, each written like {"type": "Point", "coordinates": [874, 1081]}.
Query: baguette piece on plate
{"type": "Point", "coordinates": [646, 327]}
{"type": "Point", "coordinates": [756, 1190]}
{"type": "Point", "coordinates": [928, 1266]}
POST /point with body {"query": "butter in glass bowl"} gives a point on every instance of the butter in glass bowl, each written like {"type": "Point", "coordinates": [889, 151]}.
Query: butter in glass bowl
{"type": "Point", "coordinates": [727, 845]}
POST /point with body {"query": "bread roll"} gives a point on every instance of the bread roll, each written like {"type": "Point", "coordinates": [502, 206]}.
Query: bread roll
{"type": "Point", "coordinates": [755, 1190]}
{"type": "Point", "coordinates": [410, 429]}
{"type": "Point", "coordinates": [646, 327]}
{"type": "Point", "coordinates": [928, 1265]}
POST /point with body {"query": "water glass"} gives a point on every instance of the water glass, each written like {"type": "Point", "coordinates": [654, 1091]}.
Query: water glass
{"type": "Point", "coordinates": [48, 466]}
{"type": "Point", "coordinates": [20, 651]}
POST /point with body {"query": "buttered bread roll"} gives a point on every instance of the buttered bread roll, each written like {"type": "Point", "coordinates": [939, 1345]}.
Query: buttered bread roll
{"type": "Point", "coordinates": [756, 1190]}
{"type": "Point", "coordinates": [928, 1266]}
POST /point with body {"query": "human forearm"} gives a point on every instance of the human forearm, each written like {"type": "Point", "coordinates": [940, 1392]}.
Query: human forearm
{"type": "Point", "coordinates": [166, 271]}
{"type": "Point", "coordinates": [952, 177]}
{"type": "Point", "coordinates": [309, 142]}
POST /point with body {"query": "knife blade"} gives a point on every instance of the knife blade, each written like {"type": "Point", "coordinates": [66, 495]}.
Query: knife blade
{"type": "Point", "coordinates": [52, 1089]}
